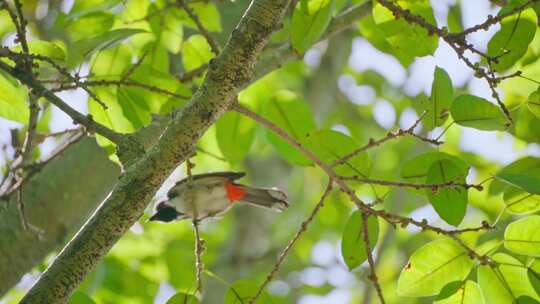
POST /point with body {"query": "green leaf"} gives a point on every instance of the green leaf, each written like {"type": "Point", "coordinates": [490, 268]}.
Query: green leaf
{"type": "Point", "coordinates": [418, 166]}
{"type": "Point", "coordinates": [533, 102]}
{"type": "Point", "coordinates": [80, 297]}
{"type": "Point", "coordinates": [370, 31]}
{"type": "Point", "coordinates": [44, 48]}
{"type": "Point", "coordinates": [409, 39]}
{"type": "Point", "coordinates": [527, 181]}
{"type": "Point", "coordinates": [293, 115]}
{"type": "Point", "coordinates": [475, 112]}
{"type": "Point", "coordinates": [331, 145]}
{"type": "Point", "coordinates": [449, 202]}
{"type": "Point", "coordinates": [520, 202]}
{"type": "Point", "coordinates": [13, 98]}
{"type": "Point", "coordinates": [134, 109]}
{"type": "Point", "coordinates": [88, 6]}
{"type": "Point", "coordinates": [183, 298]}
{"type": "Point", "coordinates": [195, 52]}
{"type": "Point", "coordinates": [235, 134]}
{"type": "Point", "coordinates": [242, 291]}
{"type": "Point", "coordinates": [442, 94]}
{"type": "Point", "coordinates": [156, 101]}
{"type": "Point", "coordinates": [86, 47]}
{"type": "Point", "coordinates": [505, 282]}
{"type": "Point", "coordinates": [522, 236]}
{"type": "Point", "coordinates": [309, 21]}
{"type": "Point", "coordinates": [510, 43]}
{"type": "Point", "coordinates": [172, 32]}
{"type": "Point", "coordinates": [533, 273]}
{"type": "Point", "coordinates": [526, 300]}
{"type": "Point", "coordinates": [526, 164]}
{"type": "Point", "coordinates": [432, 267]}
{"type": "Point", "coordinates": [353, 249]}
{"type": "Point", "coordinates": [89, 24]}
{"type": "Point", "coordinates": [467, 293]}
{"type": "Point", "coordinates": [112, 117]}
{"type": "Point", "coordinates": [112, 62]}
{"type": "Point", "coordinates": [208, 14]}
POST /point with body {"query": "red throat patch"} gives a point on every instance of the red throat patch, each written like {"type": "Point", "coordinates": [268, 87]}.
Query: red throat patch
{"type": "Point", "coordinates": [234, 192]}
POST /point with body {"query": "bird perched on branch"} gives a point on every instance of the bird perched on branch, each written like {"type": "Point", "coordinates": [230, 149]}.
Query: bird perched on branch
{"type": "Point", "coordinates": [210, 195]}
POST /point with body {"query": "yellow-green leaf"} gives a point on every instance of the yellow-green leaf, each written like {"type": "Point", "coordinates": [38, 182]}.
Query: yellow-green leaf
{"type": "Point", "coordinates": [433, 266]}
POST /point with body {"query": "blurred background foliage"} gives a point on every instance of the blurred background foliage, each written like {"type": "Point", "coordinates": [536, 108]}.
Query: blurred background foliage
{"type": "Point", "coordinates": [336, 85]}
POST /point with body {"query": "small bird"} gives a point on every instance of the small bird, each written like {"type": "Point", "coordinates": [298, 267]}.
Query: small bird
{"type": "Point", "coordinates": [210, 195]}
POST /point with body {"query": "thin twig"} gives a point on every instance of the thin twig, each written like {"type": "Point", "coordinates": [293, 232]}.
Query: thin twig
{"type": "Point", "coordinates": [118, 83]}
{"type": "Point", "coordinates": [199, 250]}
{"type": "Point", "coordinates": [391, 135]}
{"type": "Point", "coordinates": [188, 76]}
{"type": "Point", "coordinates": [204, 151]}
{"type": "Point", "coordinates": [27, 226]}
{"type": "Point", "coordinates": [85, 120]}
{"type": "Point", "coordinates": [31, 133]}
{"type": "Point", "coordinates": [393, 219]}
{"type": "Point", "coordinates": [36, 167]}
{"type": "Point", "coordinates": [373, 274]}
{"type": "Point", "coordinates": [292, 242]}
{"type": "Point", "coordinates": [134, 67]}
{"type": "Point", "coordinates": [458, 44]}
{"type": "Point", "coordinates": [211, 41]}
{"type": "Point", "coordinates": [493, 20]}
{"type": "Point", "coordinates": [433, 187]}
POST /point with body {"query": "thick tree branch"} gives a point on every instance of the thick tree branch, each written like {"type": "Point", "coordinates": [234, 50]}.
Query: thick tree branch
{"type": "Point", "coordinates": [227, 74]}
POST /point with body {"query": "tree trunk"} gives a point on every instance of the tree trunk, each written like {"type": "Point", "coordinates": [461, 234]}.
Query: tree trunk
{"type": "Point", "coordinates": [57, 200]}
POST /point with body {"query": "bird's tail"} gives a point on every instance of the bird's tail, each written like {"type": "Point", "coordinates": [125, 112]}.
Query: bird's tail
{"type": "Point", "coordinates": [271, 198]}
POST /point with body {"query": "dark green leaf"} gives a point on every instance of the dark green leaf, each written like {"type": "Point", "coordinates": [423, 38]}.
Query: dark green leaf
{"type": "Point", "coordinates": [534, 275]}
{"type": "Point", "coordinates": [449, 202]}
{"type": "Point", "coordinates": [418, 166]}
{"type": "Point", "coordinates": [353, 249]}
{"type": "Point", "coordinates": [310, 19]}
{"type": "Point", "coordinates": [527, 181]}
{"type": "Point", "coordinates": [526, 164]}
{"type": "Point", "coordinates": [183, 298]}
{"type": "Point", "coordinates": [475, 112]}
{"type": "Point", "coordinates": [526, 300]}
{"type": "Point", "coordinates": [442, 94]}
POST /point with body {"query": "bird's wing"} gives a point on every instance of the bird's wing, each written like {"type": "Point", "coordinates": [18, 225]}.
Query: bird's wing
{"type": "Point", "coordinates": [204, 180]}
